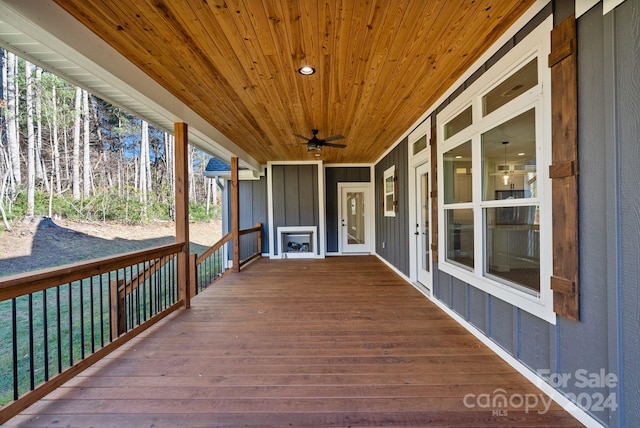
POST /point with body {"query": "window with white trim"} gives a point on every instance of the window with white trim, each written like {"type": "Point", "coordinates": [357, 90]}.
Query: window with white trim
{"type": "Point", "coordinates": [389, 188]}
{"type": "Point", "coordinates": [494, 195]}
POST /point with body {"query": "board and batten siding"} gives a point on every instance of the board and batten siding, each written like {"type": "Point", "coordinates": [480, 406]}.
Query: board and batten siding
{"type": "Point", "coordinates": [295, 198]}
{"type": "Point", "coordinates": [392, 233]}
{"type": "Point", "coordinates": [622, 147]}
{"type": "Point", "coordinates": [253, 209]}
{"type": "Point", "coordinates": [333, 176]}
{"type": "Point", "coordinates": [606, 338]}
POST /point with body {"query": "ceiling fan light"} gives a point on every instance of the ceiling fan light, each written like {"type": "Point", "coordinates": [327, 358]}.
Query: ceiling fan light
{"type": "Point", "coordinates": [306, 70]}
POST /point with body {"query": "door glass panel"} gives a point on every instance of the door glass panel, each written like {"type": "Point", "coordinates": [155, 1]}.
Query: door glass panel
{"type": "Point", "coordinates": [424, 192]}
{"type": "Point", "coordinates": [355, 218]}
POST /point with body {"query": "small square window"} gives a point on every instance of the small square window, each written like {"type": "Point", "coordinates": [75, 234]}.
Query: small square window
{"type": "Point", "coordinates": [419, 145]}
{"type": "Point", "coordinates": [458, 123]}
{"type": "Point", "coordinates": [518, 83]}
{"type": "Point", "coordinates": [390, 192]}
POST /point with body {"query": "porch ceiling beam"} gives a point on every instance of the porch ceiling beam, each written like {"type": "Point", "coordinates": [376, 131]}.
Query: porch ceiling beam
{"type": "Point", "coordinates": [46, 35]}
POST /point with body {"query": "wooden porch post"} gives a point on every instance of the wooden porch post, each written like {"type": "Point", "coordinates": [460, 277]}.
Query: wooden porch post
{"type": "Point", "coordinates": [181, 157]}
{"type": "Point", "coordinates": [235, 215]}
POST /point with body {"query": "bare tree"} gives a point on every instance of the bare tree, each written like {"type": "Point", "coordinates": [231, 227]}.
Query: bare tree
{"type": "Point", "coordinates": [12, 121]}
{"type": "Point", "coordinates": [55, 149]}
{"type": "Point", "coordinates": [144, 169]}
{"type": "Point", "coordinates": [76, 146]}
{"type": "Point", "coordinates": [86, 164]}
{"type": "Point", "coordinates": [192, 188]}
{"type": "Point", "coordinates": [41, 169]}
{"type": "Point", "coordinates": [31, 146]}
{"type": "Point", "coordinates": [169, 162]}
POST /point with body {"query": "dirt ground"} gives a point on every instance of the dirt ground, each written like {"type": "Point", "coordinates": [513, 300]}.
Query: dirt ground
{"type": "Point", "coordinates": [46, 243]}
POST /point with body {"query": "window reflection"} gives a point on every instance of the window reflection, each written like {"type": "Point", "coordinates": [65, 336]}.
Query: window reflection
{"type": "Point", "coordinates": [457, 174]}
{"type": "Point", "coordinates": [459, 226]}
{"type": "Point", "coordinates": [509, 159]}
{"type": "Point", "coordinates": [513, 245]}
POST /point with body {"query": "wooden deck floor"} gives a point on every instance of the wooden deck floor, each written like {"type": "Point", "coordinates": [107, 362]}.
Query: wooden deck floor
{"type": "Point", "coordinates": [298, 343]}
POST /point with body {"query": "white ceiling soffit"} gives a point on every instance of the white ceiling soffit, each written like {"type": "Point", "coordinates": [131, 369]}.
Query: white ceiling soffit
{"type": "Point", "coordinates": [44, 34]}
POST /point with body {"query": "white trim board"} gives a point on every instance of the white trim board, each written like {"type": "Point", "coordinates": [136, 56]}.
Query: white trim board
{"type": "Point", "coordinates": [609, 5]}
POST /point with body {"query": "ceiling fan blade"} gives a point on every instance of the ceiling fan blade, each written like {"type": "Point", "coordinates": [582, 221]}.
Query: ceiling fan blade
{"type": "Point", "coordinates": [333, 137]}
{"type": "Point", "coordinates": [339, 146]}
{"type": "Point", "coordinates": [302, 136]}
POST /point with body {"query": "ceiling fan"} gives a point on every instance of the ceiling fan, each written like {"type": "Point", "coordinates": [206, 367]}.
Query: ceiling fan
{"type": "Point", "coordinates": [315, 143]}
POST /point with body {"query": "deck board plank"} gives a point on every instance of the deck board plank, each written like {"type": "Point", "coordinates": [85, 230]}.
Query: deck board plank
{"type": "Point", "coordinates": [334, 342]}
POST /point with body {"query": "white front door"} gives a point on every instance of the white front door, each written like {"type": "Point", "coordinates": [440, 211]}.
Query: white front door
{"type": "Point", "coordinates": [353, 221]}
{"type": "Point", "coordinates": [423, 230]}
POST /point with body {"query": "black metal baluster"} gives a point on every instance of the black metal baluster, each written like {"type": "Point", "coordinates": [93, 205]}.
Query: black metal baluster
{"type": "Point", "coordinates": [176, 287]}
{"type": "Point", "coordinates": [82, 319]}
{"type": "Point", "coordinates": [14, 334]}
{"type": "Point", "coordinates": [218, 267]}
{"type": "Point", "coordinates": [59, 328]}
{"type": "Point", "coordinates": [102, 307]}
{"type": "Point", "coordinates": [93, 324]}
{"type": "Point", "coordinates": [45, 334]}
{"type": "Point", "coordinates": [128, 304]}
{"type": "Point", "coordinates": [31, 362]}
{"type": "Point", "coordinates": [111, 332]}
{"type": "Point", "coordinates": [166, 287]}
{"type": "Point", "coordinates": [70, 299]}
{"type": "Point", "coordinates": [132, 294]}
{"type": "Point", "coordinates": [144, 266]}
{"type": "Point", "coordinates": [143, 304]}
{"type": "Point", "coordinates": [168, 291]}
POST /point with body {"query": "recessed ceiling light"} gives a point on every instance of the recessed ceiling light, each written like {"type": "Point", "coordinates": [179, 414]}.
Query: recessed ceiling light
{"type": "Point", "coordinates": [521, 154]}
{"type": "Point", "coordinates": [306, 70]}
{"type": "Point", "coordinates": [458, 157]}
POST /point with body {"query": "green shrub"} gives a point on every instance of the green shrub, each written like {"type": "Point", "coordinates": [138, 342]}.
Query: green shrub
{"type": "Point", "coordinates": [108, 206]}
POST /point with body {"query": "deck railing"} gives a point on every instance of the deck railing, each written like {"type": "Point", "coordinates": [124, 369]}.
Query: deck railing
{"type": "Point", "coordinates": [214, 263]}
{"type": "Point", "coordinates": [64, 319]}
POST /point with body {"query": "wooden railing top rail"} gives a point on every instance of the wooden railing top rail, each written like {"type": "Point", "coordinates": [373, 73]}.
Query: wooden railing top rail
{"type": "Point", "coordinates": [250, 230]}
{"type": "Point", "coordinates": [21, 284]}
{"type": "Point", "coordinates": [152, 267]}
{"type": "Point", "coordinates": [215, 247]}
{"type": "Point", "coordinates": [226, 238]}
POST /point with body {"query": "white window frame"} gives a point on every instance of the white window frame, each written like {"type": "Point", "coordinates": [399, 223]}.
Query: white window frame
{"type": "Point", "coordinates": [389, 211]}
{"type": "Point", "coordinates": [536, 44]}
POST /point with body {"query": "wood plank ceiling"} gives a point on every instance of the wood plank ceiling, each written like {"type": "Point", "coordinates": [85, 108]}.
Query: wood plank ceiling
{"type": "Point", "coordinates": [380, 63]}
